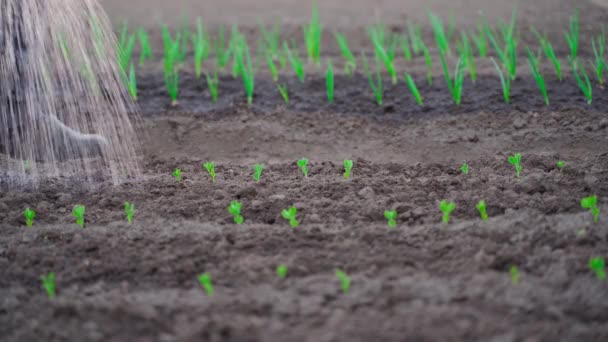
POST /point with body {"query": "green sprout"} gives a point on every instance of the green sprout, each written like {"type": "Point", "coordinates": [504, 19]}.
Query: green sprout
{"type": "Point", "coordinates": [572, 36]}
{"type": "Point", "coordinates": [514, 273]}
{"type": "Point", "coordinates": [222, 52]}
{"type": "Point", "coordinates": [584, 84]}
{"type": "Point", "coordinates": [480, 41]}
{"type": "Point", "coordinates": [344, 280]}
{"type": "Point", "coordinates": [235, 210]}
{"type": "Point", "coordinates": [245, 67]}
{"type": "Point", "coordinates": [465, 51]}
{"type": "Point", "coordinates": [465, 168]}
{"type": "Point", "coordinates": [271, 66]}
{"type": "Point", "coordinates": [599, 47]}
{"type": "Point", "coordinates": [481, 207]}
{"type": "Point", "coordinates": [429, 63]}
{"type": "Point", "coordinates": [29, 217]}
{"type": "Point", "coordinates": [590, 203]}
{"type": "Point", "coordinates": [454, 85]}
{"type": "Point", "coordinates": [146, 50]}
{"type": "Point", "coordinates": [303, 165]}
{"type": "Point", "coordinates": [132, 83]}
{"type": "Point", "coordinates": [446, 208]}
{"type": "Point", "coordinates": [202, 47]}
{"type": "Point", "coordinates": [415, 33]}
{"type": "Point", "coordinates": [177, 174]}
{"type": "Point", "coordinates": [290, 215]}
{"type": "Point", "coordinates": [183, 49]}
{"type": "Point", "coordinates": [391, 217]}
{"type": "Point", "coordinates": [505, 82]}
{"type": "Point", "coordinates": [383, 55]}
{"type": "Point", "coordinates": [48, 282]}
{"type": "Point", "coordinates": [210, 167]}
{"type": "Point", "coordinates": [329, 81]}
{"type": "Point", "coordinates": [550, 53]}
{"type": "Point", "coordinates": [440, 36]}
{"type": "Point", "coordinates": [598, 266]}
{"type": "Point", "coordinates": [281, 271]}
{"type": "Point", "coordinates": [284, 92]}
{"type": "Point", "coordinates": [405, 47]}
{"type": "Point", "coordinates": [205, 281]}
{"type": "Point", "coordinates": [257, 172]}
{"type": "Point", "coordinates": [313, 32]}
{"type": "Point", "coordinates": [213, 85]}
{"type": "Point", "coordinates": [78, 213]}
{"type": "Point", "coordinates": [129, 211]}
{"type": "Point", "coordinates": [560, 165]}
{"type": "Point", "coordinates": [171, 60]}
{"type": "Point", "coordinates": [295, 61]}
{"type": "Point", "coordinates": [413, 88]}
{"type": "Point", "coordinates": [540, 80]}
{"type": "Point", "coordinates": [348, 168]}
{"type": "Point", "coordinates": [351, 63]}
{"type": "Point", "coordinates": [272, 39]}
{"type": "Point", "coordinates": [515, 160]}
{"type": "Point", "coordinates": [375, 85]}
{"type": "Point", "coordinates": [508, 55]}
{"type": "Point", "coordinates": [126, 43]}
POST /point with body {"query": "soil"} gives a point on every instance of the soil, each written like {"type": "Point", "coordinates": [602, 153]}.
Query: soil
{"type": "Point", "coordinates": [420, 281]}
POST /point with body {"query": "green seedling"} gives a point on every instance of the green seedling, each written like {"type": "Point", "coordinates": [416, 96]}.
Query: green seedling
{"type": "Point", "coordinates": [465, 50]}
{"type": "Point", "coordinates": [505, 82]}
{"type": "Point", "coordinates": [514, 273]}
{"type": "Point", "coordinates": [598, 266]}
{"type": "Point", "coordinates": [146, 50]}
{"type": "Point", "coordinates": [329, 82]}
{"type": "Point", "coordinates": [572, 36]}
{"type": "Point", "coordinates": [272, 39]}
{"type": "Point", "coordinates": [344, 280]}
{"type": "Point", "coordinates": [303, 165]}
{"type": "Point", "coordinates": [428, 60]}
{"type": "Point", "coordinates": [129, 211]}
{"type": "Point", "coordinates": [295, 61]}
{"type": "Point", "coordinates": [29, 215]}
{"type": "Point", "coordinates": [404, 42]}
{"type": "Point", "coordinates": [205, 281]}
{"type": "Point", "coordinates": [480, 41]}
{"type": "Point", "coordinates": [257, 172]}
{"type": "Point", "coordinates": [383, 55]}
{"type": "Point", "coordinates": [508, 54]}
{"type": "Point", "coordinates": [415, 34]}
{"type": "Point", "coordinates": [446, 208]}
{"type": "Point", "coordinates": [481, 207]}
{"type": "Point", "coordinates": [78, 213]}
{"type": "Point", "coordinates": [440, 36]}
{"type": "Point", "coordinates": [284, 92]}
{"type": "Point", "coordinates": [210, 167]}
{"type": "Point", "coordinates": [245, 67]}
{"type": "Point", "coordinates": [413, 88]}
{"type": "Point", "coordinates": [183, 48]}
{"type": "Point", "coordinates": [281, 271]}
{"type": "Point", "coordinates": [451, 28]}
{"type": "Point", "coordinates": [590, 203]}
{"type": "Point", "coordinates": [351, 63]}
{"type": "Point", "coordinates": [348, 168]}
{"type": "Point", "coordinates": [290, 215]}
{"type": "Point", "coordinates": [223, 52]}
{"type": "Point", "coordinates": [560, 165]}
{"type": "Point", "coordinates": [213, 85]}
{"type": "Point", "coordinates": [375, 85]}
{"type": "Point", "coordinates": [48, 282]}
{"type": "Point", "coordinates": [454, 85]}
{"type": "Point", "coordinates": [126, 43]}
{"type": "Point", "coordinates": [202, 47]}
{"type": "Point", "coordinates": [464, 168]}
{"type": "Point", "coordinates": [313, 32]}
{"type": "Point", "coordinates": [515, 160]}
{"type": "Point", "coordinates": [540, 80]}
{"type": "Point", "coordinates": [177, 174]}
{"type": "Point", "coordinates": [171, 63]}
{"type": "Point", "coordinates": [584, 84]}
{"type": "Point", "coordinates": [550, 53]}
{"type": "Point", "coordinates": [599, 47]}
{"type": "Point", "coordinates": [271, 66]}
{"type": "Point", "coordinates": [235, 210]}
{"type": "Point", "coordinates": [132, 83]}
{"type": "Point", "coordinates": [391, 217]}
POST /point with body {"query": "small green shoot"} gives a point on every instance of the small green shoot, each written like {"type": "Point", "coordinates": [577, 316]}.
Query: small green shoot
{"type": "Point", "coordinates": [391, 217]}
{"type": "Point", "coordinates": [550, 53]}
{"type": "Point", "coordinates": [284, 92]}
{"type": "Point", "coordinates": [440, 36]}
{"type": "Point", "coordinates": [126, 43]}
{"type": "Point", "coordinates": [572, 36]}
{"type": "Point", "coordinates": [428, 60]}
{"type": "Point", "coordinates": [48, 282]}
{"type": "Point", "coordinates": [348, 168]}
{"type": "Point", "coordinates": [540, 80]}
{"type": "Point", "coordinates": [171, 63]}
{"type": "Point", "coordinates": [272, 39]}
{"type": "Point", "coordinates": [222, 52]}
{"type": "Point", "coordinates": [202, 47]}
{"type": "Point", "coordinates": [508, 54]}
{"type": "Point", "coordinates": [257, 172]}
{"type": "Point", "coordinates": [146, 50]}
{"type": "Point", "coordinates": [295, 61]}
{"type": "Point", "coordinates": [344, 280]}
{"type": "Point", "coordinates": [177, 174]}
{"type": "Point", "coordinates": [598, 266]}
{"type": "Point", "coordinates": [464, 168]}
{"type": "Point", "coordinates": [29, 215]}
{"type": "Point", "coordinates": [375, 85]}
{"type": "Point", "coordinates": [205, 281]}
{"type": "Point", "coordinates": [271, 66]}
{"type": "Point", "coordinates": [303, 165]}
{"type": "Point", "coordinates": [213, 85]}
{"type": "Point", "coordinates": [599, 48]}
{"type": "Point", "coordinates": [290, 215]}
{"type": "Point", "coordinates": [505, 82]}
{"type": "Point", "coordinates": [446, 208]}
{"type": "Point", "coordinates": [313, 32]}
{"type": "Point", "coordinates": [584, 84]}
{"type": "Point", "coordinates": [129, 211]}
{"type": "Point", "coordinates": [480, 41]}
{"type": "Point", "coordinates": [481, 207]}
{"type": "Point", "coordinates": [329, 82]}
{"type": "Point", "coordinates": [235, 210]}
{"type": "Point", "coordinates": [78, 213]}
{"type": "Point", "coordinates": [132, 83]}
{"type": "Point", "coordinates": [514, 273]}
{"type": "Point", "coordinates": [245, 67]}
{"type": "Point", "coordinates": [383, 55]}
{"type": "Point", "coordinates": [210, 167]}
{"type": "Point", "coordinates": [351, 63]}
{"type": "Point", "coordinates": [281, 271]}
{"type": "Point", "coordinates": [454, 85]}
{"type": "Point", "coordinates": [465, 50]}
{"type": "Point", "coordinates": [560, 165]}
{"type": "Point", "coordinates": [405, 47]}
{"type": "Point", "coordinates": [413, 88]}
{"type": "Point", "coordinates": [590, 203]}
{"type": "Point", "coordinates": [515, 160]}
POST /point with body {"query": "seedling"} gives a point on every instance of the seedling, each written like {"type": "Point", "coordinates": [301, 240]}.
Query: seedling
{"type": "Point", "coordinates": [348, 167]}
{"type": "Point", "coordinates": [598, 266]}
{"type": "Point", "coordinates": [284, 92]}
{"type": "Point", "coordinates": [290, 215]}
{"type": "Point", "coordinates": [202, 47]}
{"type": "Point", "coordinates": [415, 33]}
{"type": "Point", "coordinates": [205, 281]}
{"type": "Point", "coordinates": [313, 33]}
{"type": "Point", "coordinates": [235, 210]}
{"type": "Point", "coordinates": [129, 211]}
{"type": "Point", "coordinates": [213, 85]}
{"type": "Point", "coordinates": [514, 273]}
{"type": "Point", "coordinates": [550, 53]}
{"type": "Point", "coordinates": [48, 282]}
{"type": "Point", "coordinates": [391, 217]}
{"type": "Point", "coordinates": [126, 44]}
{"type": "Point", "coordinates": [177, 174]}
{"type": "Point", "coordinates": [344, 280]}
{"type": "Point", "coordinates": [351, 63]}
{"type": "Point", "coordinates": [257, 172]}
{"type": "Point", "coordinates": [515, 160]}
{"type": "Point", "coordinates": [481, 207]}
{"type": "Point", "coordinates": [271, 66]}
{"type": "Point", "coordinates": [222, 52]}
{"type": "Point", "coordinates": [540, 80]}
{"type": "Point", "coordinates": [303, 165]}
{"type": "Point", "coordinates": [272, 39]}
{"type": "Point", "coordinates": [245, 67]}
{"type": "Point", "coordinates": [375, 85]}
{"type": "Point", "coordinates": [440, 36]}
{"type": "Point", "coordinates": [413, 88]}
{"type": "Point", "coordinates": [590, 203]}
{"type": "Point", "coordinates": [405, 47]}
{"type": "Point", "coordinates": [446, 208]}
{"type": "Point", "coordinates": [480, 41]}
{"type": "Point", "coordinates": [29, 217]}
{"type": "Point", "coordinates": [504, 81]}
{"type": "Point", "coordinates": [132, 83]}
{"type": "Point", "coordinates": [572, 36]}
{"type": "Point", "coordinates": [78, 213]}
{"type": "Point", "coordinates": [146, 50]}
{"type": "Point", "coordinates": [171, 60]}
{"type": "Point", "coordinates": [295, 61]}
{"type": "Point", "coordinates": [599, 47]}
{"type": "Point", "coordinates": [560, 165]}
{"type": "Point", "coordinates": [465, 168]}
{"type": "Point", "coordinates": [454, 85]}
{"type": "Point", "coordinates": [281, 271]}
{"type": "Point", "coordinates": [465, 51]}
{"type": "Point", "coordinates": [329, 82]}
{"type": "Point", "coordinates": [584, 84]}
{"type": "Point", "coordinates": [383, 55]}
{"type": "Point", "coordinates": [508, 55]}
{"type": "Point", "coordinates": [429, 63]}
{"type": "Point", "coordinates": [210, 167]}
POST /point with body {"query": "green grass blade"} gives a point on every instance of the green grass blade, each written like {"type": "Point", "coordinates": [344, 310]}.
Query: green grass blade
{"type": "Point", "coordinates": [413, 88]}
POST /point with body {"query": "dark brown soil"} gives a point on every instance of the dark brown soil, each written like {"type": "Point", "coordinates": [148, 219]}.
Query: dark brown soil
{"type": "Point", "coordinates": [421, 281]}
